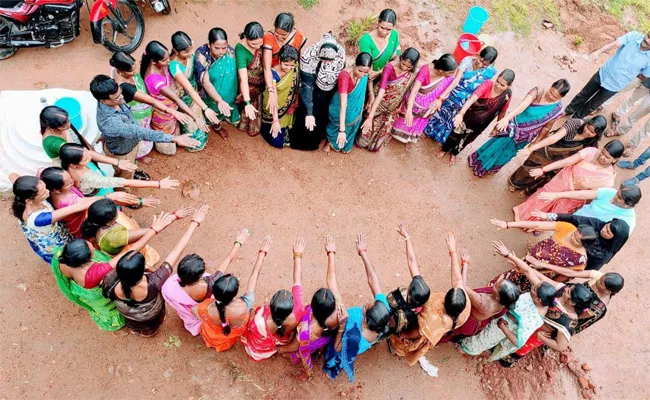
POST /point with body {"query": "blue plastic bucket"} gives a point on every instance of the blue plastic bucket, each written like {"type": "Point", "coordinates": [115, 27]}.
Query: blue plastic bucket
{"type": "Point", "coordinates": [73, 107]}
{"type": "Point", "coordinates": [476, 17]}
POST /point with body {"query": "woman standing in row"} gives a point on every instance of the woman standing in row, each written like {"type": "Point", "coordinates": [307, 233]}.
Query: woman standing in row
{"type": "Point", "coordinates": [575, 135]}
{"type": "Point", "coordinates": [396, 79]}
{"type": "Point", "coordinates": [216, 72]}
{"type": "Point", "coordinates": [473, 72]}
{"type": "Point", "coordinates": [276, 124]}
{"type": "Point", "coordinates": [347, 105]}
{"type": "Point", "coordinates": [490, 100]}
{"type": "Point", "coordinates": [248, 57]}
{"type": "Point", "coordinates": [533, 117]}
{"type": "Point", "coordinates": [320, 66]}
{"type": "Point", "coordinates": [430, 83]}
{"type": "Point", "coordinates": [382, 43]}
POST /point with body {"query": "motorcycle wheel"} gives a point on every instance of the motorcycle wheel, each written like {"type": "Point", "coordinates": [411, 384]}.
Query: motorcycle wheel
{"type": "Point", "coordinates": [168, 7]}
{"type": "Point", "coordinates": [112, 27]}
{"type": "Point", "coordinates": [6, 27]}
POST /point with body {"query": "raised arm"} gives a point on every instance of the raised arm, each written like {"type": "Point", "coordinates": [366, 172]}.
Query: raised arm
{"type": "Point", "coordinates": [607, 47]}
{"type": "Point", "coordinates": [330, 248]}
{"type": "Point", "coordinates": [456, 273]}
{"type": "Point", "coordinates": [534, 225]}
{"type": "Point", "coordinates": [298, 251]}
{"type": "Point", "coordinates": [160, 222]}
{"type": "Point", "coordinates": [412, 261]}
{"type": "Point", "coordinates": [574, 194]}
{"type": "Point", "coordinates": [574, 159]}
{"type": "Point", "coordinates": [239, 242]}
{"type": "Point", "coordinates": [197, 219]}
{"type": "Point", "coordinates": [373, 279]}
{"type": "Point", "coordinates": [264, 249]}
{"type": "Point", "coordinates": [569, 273]}
{"type": "Point", "coordinates": [533, 276]}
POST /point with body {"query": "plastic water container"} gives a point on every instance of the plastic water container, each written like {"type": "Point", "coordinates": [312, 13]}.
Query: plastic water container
{"type": "Point", "coordinates": [468, 45]}
{"type": "Point", "coordinates": [476, 17]}
{"type": "Point", "coordinates": [73, 107]}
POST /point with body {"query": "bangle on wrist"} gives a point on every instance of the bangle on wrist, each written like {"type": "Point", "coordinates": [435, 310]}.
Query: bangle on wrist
{"type": "Point", "coordinates": [361, 251]}
{"type": "Point", "coordinates": [158, 184]}
{"type": "Point", "coordinates": [263, 251]}
{"type": "Point", "coordinates": [507, 227]}
{"type": "Point", "coordinates": [176, 215]}
{"type": "Point", "coordinates": [247, 102]}
{"type": "Point", "coordinates": [117, 165]}
{"type": "Point", "coordinates": [195, 221]}
{"type": "Point", "coordinates": [204, 109]}
{"type": "Point", "coordinates": [140, 201]}
{"type": "Point", "coordinates": [406, 239]}
{"type": "Point", "coordinates": [238, 242]}
{"type": "Point", "coordinates": [297, 254]}
{"type": "Point", "coordinates": [154, 230]}
{"type": "Point", "coordinates": [331, 251]}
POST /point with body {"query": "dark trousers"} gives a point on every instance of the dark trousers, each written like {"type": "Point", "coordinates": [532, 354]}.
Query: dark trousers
{"type": "Point", "coordinates": [590, 98]}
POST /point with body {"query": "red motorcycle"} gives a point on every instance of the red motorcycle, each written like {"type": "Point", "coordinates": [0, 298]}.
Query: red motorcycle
{"type": "Point", "coordinates": [116, 24]}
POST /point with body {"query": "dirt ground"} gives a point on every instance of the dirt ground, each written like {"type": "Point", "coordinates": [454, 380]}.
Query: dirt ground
{"type": "Point", "coordinates": [52, 349]}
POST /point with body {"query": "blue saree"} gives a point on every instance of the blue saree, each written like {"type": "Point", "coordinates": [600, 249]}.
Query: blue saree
{"type": "Point", "coordinates": [354, 111]}
{"type": "Point", "coordinates": [335, 361]}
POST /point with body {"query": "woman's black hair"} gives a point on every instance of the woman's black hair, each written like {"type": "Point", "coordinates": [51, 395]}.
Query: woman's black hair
{"type": "Point", "coordinates": [546, 293]}
{"type": "Point", "coordinates": [507, 75]}
{"type": "Point", "coordinates": [53, 178]}
{"type": "Point", "coordinates": [122, 61]}
{"type": "Point", "coordinates": [155, 51]}
{"type": "Point", "coordinates": [412, 55]}
{"type": "Point", "coordinates": [614, 282]}
{"type": "Point", "coordinates": [323, 305]}
{"type": "Point", "coordinates": [588, 234]}
{"type": "Point", "coordinates": [70, 154]}
{"type": "Point", "coordinates": [621, 231]}
{"type": "Point", "coordinates": [103, 86]}
{"type": "Point", "coordinates": [252, 31]}
{"type": "Point", "coordinates": [631, 194]}
{"type": "Point", "coordinates": [581, 298]}
{"type": "Point", "coordinates": [615, 148]}
{"type": "Point", "coordinates": [130, 270]}
{"type": "Point", "coordinates": [288, 53]}
{"type": "Point", "coordinates": [377, 317]}
{"type": "Point", "coordinates": [53, 117]}
{"type": "Point", "coordinates": [224, 291]}
{"type": "Point", "coordinates": [455, 303]}
{"type": "Point", "coordinates": [599, 124]}
{"type": "Point", "coordinates": [388, 15]}
{"type": "Point", "coordinates": [76, 253]}
{"type": "Point", "coordinates": [489, 54]}
{"type": "Point", "coordinates": [180, 42]}
{"type": "Point", "coordinates": [508, 293]}
{"type": "Point", "coordinates": [217, 34]}
{"type": "Point", "coordinates": [284, 21]}
{"type": "Point", "coordinates": [562, 86]}
{"type": "Point", "coordinates": [418, 292]}
{"type": "Point", "coordinates": [190, 269]}
{"type": "Point", "coordinates": [24, 188]}
{"type": "Point", "coordinates": [100, 214]}
{"type": "Point", "coordinates": [363, 59]}
{"type": "Point", "coordinates": [281, 308]}
{"type": "Point", "coordinates": [445, 63]}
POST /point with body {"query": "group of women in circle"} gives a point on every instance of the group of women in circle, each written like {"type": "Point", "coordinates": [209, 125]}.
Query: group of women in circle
{"type": "Point", "coordinates": [294, 97]}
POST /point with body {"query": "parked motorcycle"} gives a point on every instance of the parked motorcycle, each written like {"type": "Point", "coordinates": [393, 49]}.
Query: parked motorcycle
{"type": "Point", "coordinates": [116, 24]}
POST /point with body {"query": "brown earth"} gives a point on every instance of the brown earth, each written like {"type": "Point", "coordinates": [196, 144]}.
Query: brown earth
{"type": "Point", "coordinates": [51, 348]}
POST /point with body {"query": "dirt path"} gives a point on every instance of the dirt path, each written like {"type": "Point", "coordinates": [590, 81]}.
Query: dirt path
{"type": "Point", "coordinates": [51, 349]}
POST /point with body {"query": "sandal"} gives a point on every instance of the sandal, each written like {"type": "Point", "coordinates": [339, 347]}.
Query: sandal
{"type": "Point", "coordinates": [613, 131]}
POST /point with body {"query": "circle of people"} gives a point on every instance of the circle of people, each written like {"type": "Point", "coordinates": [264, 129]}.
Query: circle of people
{"type": "Point", "coordinates": [74, 220]}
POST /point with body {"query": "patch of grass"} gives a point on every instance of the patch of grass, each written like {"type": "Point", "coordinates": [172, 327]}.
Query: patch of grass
{"type": "Point", "coordinates": [578, 41]}
{"type": "Point", "coordinates": [172, 342]}
{"type": "Point", "coordinates": [356, 29]}
{"type": "Point", "coordinates": [308, 4]}
{"type": "Point", "coordinates": [640, 9]}
{"type": "Point", "coordinates": [516, 15]}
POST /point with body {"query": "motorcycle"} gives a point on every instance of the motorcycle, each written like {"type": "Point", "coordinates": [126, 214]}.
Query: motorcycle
{"type": "Point", "coordinates": [117, 24]}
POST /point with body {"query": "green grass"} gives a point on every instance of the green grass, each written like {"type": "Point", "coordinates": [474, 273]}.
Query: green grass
{"type": "Point", "coordinates": [517, 15]}
{"type": "Point", "coordinates": [308, 4]}
{"type": "Point", "coordinates": [356, 29]}
{"type": "Point", "coordinates": [578, 41]}
{"type": "Point", "coordinates": [640, 9]}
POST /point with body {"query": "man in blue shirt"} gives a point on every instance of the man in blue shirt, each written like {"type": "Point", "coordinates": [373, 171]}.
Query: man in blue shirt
{"type": "Point", "coordinates": [630, 60]}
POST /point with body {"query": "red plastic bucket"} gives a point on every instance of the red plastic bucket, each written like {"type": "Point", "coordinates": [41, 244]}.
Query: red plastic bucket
{"type": "Point", "coordinates": [468, 45]}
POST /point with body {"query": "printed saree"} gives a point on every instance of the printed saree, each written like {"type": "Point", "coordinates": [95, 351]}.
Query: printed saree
{"type": "Point", "coordinates": [308, 345]}
{"type": "Point", "coordinates": [176, 67]}
{"type": "Point", "coordinates": [160, 120]}
{"type": "Point", "coordinates": [116, 239]}
{"type": "Point", "coordinates": [212, 333]}
{"type": "Point", "coordinates": [353, 114]}
{"type": "Point", "coordinates": [223, 76]}
{"type": "Point", "coordinates": [597, 310]}
{"type": "Point", "coordinates": [142, 113]}
{"type": "Point", "coordinates": [255, 89]}
{"type": "Point", "coordinates": [258, 342]}
{"type": "Point", "coordinates": [334, 361]}
{"type": "Point", "coordinates": [287, 94]}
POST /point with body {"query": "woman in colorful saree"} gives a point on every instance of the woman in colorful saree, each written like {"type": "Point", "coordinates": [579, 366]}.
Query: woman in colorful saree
{"type": "Point", "coordinates": [534, 116]}
{"type": "Point", "coordinates": [396, 79]}
{"type": "Point", "coordinates": [276, 124]}
{"type": "Point", "coordinates": [225, 319]}
{"type": "Point", "coordinates": [216, 73]}
{"type": "Point", "coordinates": [565, 249]}
{"type": "Point", "coordinates": [284, 34]}
{"type": "Point", "coordinates": [575, 135]}
{"type": "Point", "coordinates": [320, 319]}
{"type": "Point", "coordinates": [382, 43]}
{"type": "Point", "coordinates": [181, 67]}
{"type": "Point", "coordinates": [490, 100]}
{"type": "Point", "coordinates": [431, 82]}
{"type": "Point", "coordinates": [92, 181]}
{"type": "Point", "coordinates": [473, 72]}
{"type": "Point", "coordinates": [191, 284]}
{"type": "Point", "coordinates": [320, 66]}
{"type": "Point", "coordinates": [274, 325]}
{"type": "Point", "coordinates": [588, 169]}
{"type": "Point", "coordinates": [248, 57]}
{"type": "Point", "coordinates": [346, 107]}
{"type": "Point", "coordinates": [441, 314]}
{"type": "Point", "coordinates": [154, 68]}
{"type": "Point", "coordinates": [57, 130]}
{"type": "Point", "coordinates": [40, 222]}
{"type": "Point", "coordinates": [63, 194]}
{"type": "Point", "coordinates": [360, 327]}
{"type": "Point", "coordinates": [136, 293]}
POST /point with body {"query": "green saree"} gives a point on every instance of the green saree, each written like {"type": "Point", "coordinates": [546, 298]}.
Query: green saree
{"type": "Point", "coordinates": [175, 68]}
{"type": "Point", "coordinates": [223, 76]}
{"type": "Point", "coordinates": [380, 57]}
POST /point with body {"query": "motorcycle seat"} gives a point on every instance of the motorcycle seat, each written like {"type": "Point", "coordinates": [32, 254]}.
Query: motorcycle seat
{"type": "Point", "coordinates": [10, 3]}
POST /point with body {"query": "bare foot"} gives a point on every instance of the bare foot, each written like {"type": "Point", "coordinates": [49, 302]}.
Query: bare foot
{"type": "Point", "coordinates": [223, 133]}
{"type": "Point", "coordinates": [452, 160]}
{"type": "Point", "coordinates": [628, 152]}
{"type": "Point", "coordinates": [522, 194]}
{"type": "Point", "coordinates": [511, 188]}
{"type": "Point", "coordinates": [440, 155]}
{"type": "Point", "coordinates": [327, 148]}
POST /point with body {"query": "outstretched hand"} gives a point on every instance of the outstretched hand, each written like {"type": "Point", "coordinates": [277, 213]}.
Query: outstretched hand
{"type": "Point", "coordinates": [451, 241]}
{"type": "Point", "coordinates": [500, 248]}
{"type": "Point", "coordinates": [242, 236]}
{"type": "Point", "coordinates": [401, 229]}
{"type": "Point", "coordinates": [499, 224]}
{"type": "Point", "coordinates": [299, 245]}
{"type": "Point", "coordinates": [266, 244]}
{"type": "Point", "coordinates": [361, 242]}
{"type": "Point", "coordinates": [199, 215]}
{"type": "Point", "coordinates": [330, 245]}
